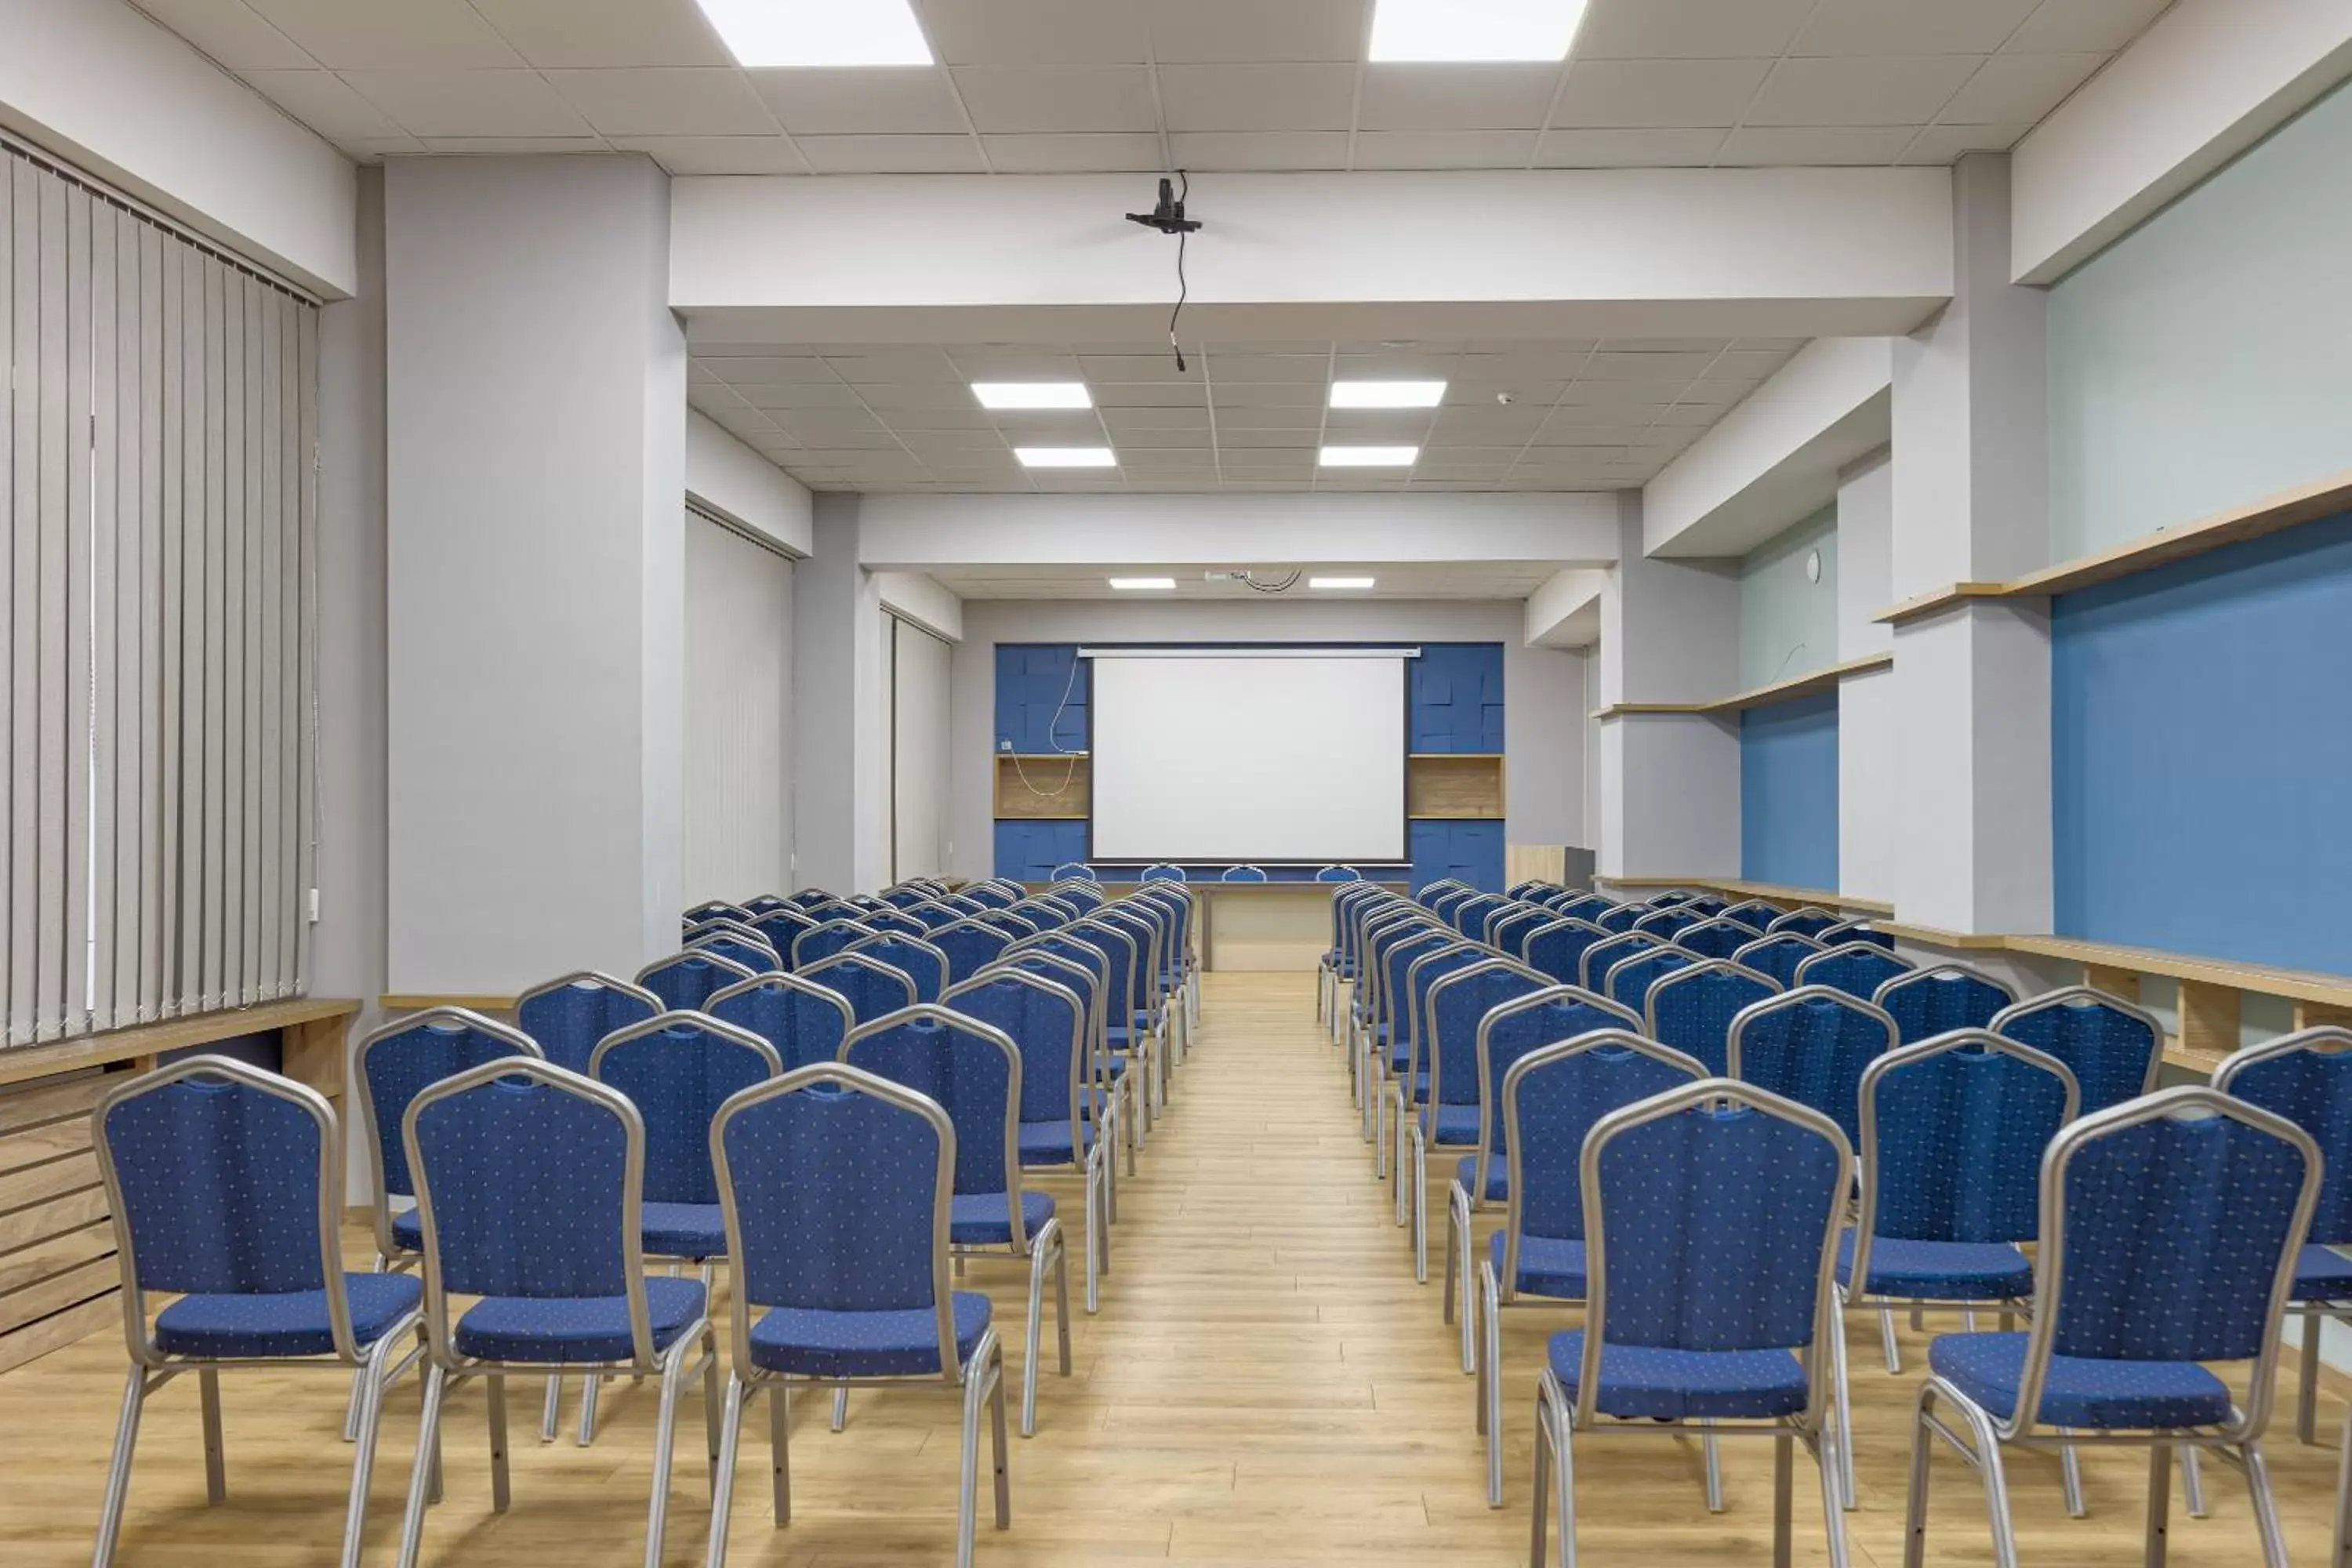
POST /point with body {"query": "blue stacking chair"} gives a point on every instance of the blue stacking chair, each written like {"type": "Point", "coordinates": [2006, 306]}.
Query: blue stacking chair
{"type": "Point", "coordinates": [992, 895]}
{"type": "Point", "coordinates": [1016, 923]}
{"type": "Point", "coordinates": [677, 1069]}
{"type": "Point", "coordinates": [1582, 906]}
{"type": "Point", "coordinates": [390, 1066]}
{"type": "Point", "coordinates": [1557, 947]}
{"type": "Point", "coordinates": [1439, 898]}
{"type": "Point", "coordinates": [1146, 928]}
{"type": "Point", "coordinates": [784, 926]}
{"type": "Point", "coordinates": [972, 1070]}
{"type": "Point", "coordinates": [1075, 956]}
{"type": "Point", "coordinates": [1075, 870]}
{"type": "Point", "coordinates": [1629, 979]}
{"type": "Point", "coordinates": [1846, 932]}
{"type": "Point", "coordinates": [1669, 899]}
{"type": "Point", "coordinates": [1066, 1122]}
{"type": "Point", "coordinates": [1526, 886]}
{"type": "Point", "coordinates": [685, 981]}
{"type": "Point", "coordinates": [933, 914]}
{"type": "Point", "coordinates": [1755, 1185]}
{"type": "Point", "coordinates": [1809, 921]}
{"type": "Point", "coordinates": [1718, 938]}
{"type": "Point", "coordinates": [2306, 1077]}
{"type": "Point", "coordinates": [1177, 957]}
{"type": "Point", "coordinates": [1669, 923]}
{"type": "Point", "coordinates": [722, 925]}
{"type": "Point", "coordinates": [1243, 874]}
{"type": "Point", "coordinates": [895, 922]}
{"type": "Point", "coordinates": [803, 1021]}
{"type": "Point", "coordinates": [1386, 931]}
{"type": "Point", "coordinates": [906, 895]}
{"type": "Point", "coordinates": [872, 988]}
{"type": "Point", "coordinates": [1163, 873]}
{"type": "Point", "coordinates": [716, 909]}
{"type": "Point", "coordinates": [1619, 919]}
{"type": "Point", "coordinates": [918, 961]}
{"type": "Point", "coordinates": [225, 1183]}
{"type": "Point", "coordinates": [1551, 1097]}
{"type": "Point", "coordinates": [1468, 915]}
{"type": "Point", "coordinates": [569, 1015]}
{"type": "Point", "coordinates": [1114, 1089]}
{"type": "Point", "coordinates": [1598, 958]}
{"type": "Point", "coordinates": [1078, 896]}
{"type": "Point", "coordinates": [1692, 1009]}
{"type": "Point", "coordinates": [1448, 1088]}
{"type": "Point", "coordinates": [1481, 1180]}
{"type": "Point", "coordinates": [1509, 927]}
{"type": "Point", "coordinates": [832, 937]}
{"type": "Point", "coordinates": [1047, 912]}
{"type": "Point", "coordinates": [1778, 955]}
{"type": "Point", "coordinates": [2170, 1228]}
{"type": "Point", "coordinates": [809, 897]}
{"type": "Point", "coordinates": [971, 945]}
{"type": "Point", "coordinates": [1338, 966]}
{"type": "Point", "coordinates": [1856, 968]}
{"type": "Point", "coordinates": [839, 1191]}
{"type": "Point", "coordinates": [1757, 913]}
{"type": "Point", "coordinates": [1339, 874]}
{"type": "Point", "coordinates": [753, 954]}
{"type": "Point", "coordinates": [765, 902]}
{"type": "Point", "coordinates": [1812, 1045]}
{"type": "Point", "coordinates": [530, 1181]}
{"type": "Point", "coordinates": [2112, 1048]}
{"type": "Point", "coordinates": [1925, 1002]}
{"type": "Point", "coordinates": [1123, 989]}
{"type": "Point", "coordinates": [1952, 1134]}
{"type": "Point", "coordinates": [1404, 1072]}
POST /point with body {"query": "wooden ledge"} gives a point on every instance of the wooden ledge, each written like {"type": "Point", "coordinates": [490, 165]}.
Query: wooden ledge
{"type": "Point", "coordinates": [2296, 985]}
{"type": "Point", "coordinates": [401, 1002]}
{"type": "Point", "coordinates": [28, 1062]}
{"type": "Point", "coordinates": [1796, 686]}
{"type": "Point", "coordinates": [1822, 898]}
{"type": "Point", "coordinates": [2288, 508]}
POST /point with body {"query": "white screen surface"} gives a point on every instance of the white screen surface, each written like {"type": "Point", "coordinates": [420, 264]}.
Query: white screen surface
{"type": "Point", "coordinates": [1248, 757]}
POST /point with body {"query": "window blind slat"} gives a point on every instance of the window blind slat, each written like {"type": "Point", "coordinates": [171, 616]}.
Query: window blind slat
{"type": "Point", "coordinates": [236, 466]}
{"type": "Point", "coordinates": [304, 826]}
{"type": "Point", "coordinates": [185, 987]}
{"type": "Point", "coordinates": [23, 828]}
{"type": "Point", "coordinates": [267, 806]}
{"type": "Point", "coordinates": [213, 982]}
{"type": "Point", "coordinates": [49, 733]}
{"type": "Point", "coordinates": [252, 863]}
{"type": "Point", "coordinates": [178, 382]}
{"type": "Point", "coordinates": [146, 975]}
{"type": "Point", "coordinates": [72, 961]}
{"type": "Point", "coordinates": [11, 497]}
{"type": "Point", "coordinates": [95, 979]}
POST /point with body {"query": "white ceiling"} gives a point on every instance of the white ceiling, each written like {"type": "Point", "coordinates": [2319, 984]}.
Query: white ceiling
{"type": "Point", "coordinates": [1435, 580]}
{"type": "Point", "coordinates": [1106, 85]}
{"type": "Point", "coordinates": [1583, 416]}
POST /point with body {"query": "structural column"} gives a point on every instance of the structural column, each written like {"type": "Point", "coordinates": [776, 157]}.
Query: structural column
{"type": "Point", "coordinates": [1971, 504]}
{"type": "Point", "coordinates": [841, 708]}
{"type": "Point", "coordinates": [1868, 743]}
{"type": "Point", "coordinates": [535, 425]}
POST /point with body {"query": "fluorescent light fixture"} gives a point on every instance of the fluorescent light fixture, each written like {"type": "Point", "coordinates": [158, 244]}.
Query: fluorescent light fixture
{"type": "Point", "coordinates": [1467, 30]}
{"type": "Point", "coordinates": [1144, 584]}
{"type": "Point", "coordinates": [1371, 457]}
{"type": "Point", "coordinates": [1032, 394]}
{"type": "Point", "coordinates": [819, 32]}
{"type": "Point", "coordinates": [1067, 456]}
{"type": "Point", "coordinates": [1339, 583]}
{"type": "Point", "coordinates": [1386, 394]}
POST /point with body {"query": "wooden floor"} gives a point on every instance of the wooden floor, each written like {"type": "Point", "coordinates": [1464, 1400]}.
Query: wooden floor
{"type": "Point", "coordinates": [1265, 1386]}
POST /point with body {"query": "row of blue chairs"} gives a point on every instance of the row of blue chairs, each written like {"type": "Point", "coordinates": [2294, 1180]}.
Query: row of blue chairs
{"type": "Point", "coordinates": [1168, 871]}
{"type": "Point", "coordinates": [1966, 1132]}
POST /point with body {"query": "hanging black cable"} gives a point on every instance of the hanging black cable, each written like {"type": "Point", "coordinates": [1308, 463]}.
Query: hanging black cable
{"type": "Point", "coordinates": [1169, 218]}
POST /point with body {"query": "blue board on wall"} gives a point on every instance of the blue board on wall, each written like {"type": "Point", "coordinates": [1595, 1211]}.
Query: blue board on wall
{"type": "Point", "coordinates": [1789, 792]}
{"type": "Point", "coordinates": [2200, 740]}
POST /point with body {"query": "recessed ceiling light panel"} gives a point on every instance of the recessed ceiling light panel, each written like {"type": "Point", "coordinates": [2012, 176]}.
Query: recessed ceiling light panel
{"type": "Point", "coordinates": [1329, 584]}
{"type": "Point", "coordinates": [819, 32]}
{"type": "Point", "coordinates": [1371, 457]}
{"type": "Point", "coordinates": [1067, 456]}
{"type": "Point", "coordinates": [1144, 584]}
{"type": "Point", "coordinates": [1032, 394]}
{"type": "Point", "coordinates": [1386, 394]}
{"type": "Point", "coordinates": [1471, 30]}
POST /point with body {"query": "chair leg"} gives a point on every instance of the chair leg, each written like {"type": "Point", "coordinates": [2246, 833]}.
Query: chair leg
{"type": "Point", "coordinates": [1886, 1341]}
{"type": "Point", "coordinates": [1914, 1502]}
{"type": "Point", "coordinates": [501, 1493]}
{"type": "Point", "coordinates": [710, 1407]}
{"type": "Point", "coordinates": [975, 1374]}
{"type": "Point", "coordinates": [840, 1406]}
{"type": "Point", "coordinates": [1782, 1499]}
{"type": "Point", "coordinates": [1833, 1507]}
{"type": "Point", "coordinates": [722, 1475]}
{"type": "Point", "coordinates": [2192, 1482]}
{"type": "Point", "coordinates": [421, 1476]}
{"type": "Point", "coordinates": [2070, 1481]}
{"type": "Point", "coordinates": [2159, 1502]}
{"type": "Point", "coordinates": [999, 1449]}
{"type": "Point", "coordinates": [2343, 1553]}
{"type": "Point", "coordinates": [673, 1376]}
{"type": "Point", "coordinates": [2266, 1518]}
{"type": "Point", "coordinates": [1049, 1240]}
{"type": "Point", "coordinates": [1094, 1179]}
{"type": "Point", "coordinates": [550, 1415]}
{"type": "Point", "coordinates": [2306, 1390]}
{"type": "Point", "coordinates": [215, 1461]}
{"type": "Point", "coordinates": [117, 1474]}
{"type": "Point", "coordinates": [780, 1452]}
{"type": "Point", "coordinates": [1062, 1299]}
{"type": "Point", "coordinates": [1490, 1379]}
{"type": "Point", "coordinates": [371, 1424]}
{"type": "Point", "coordinates": [589, 1385]}
{"type": "Point", "coordinates": [1842, 1417]}
{"type": "Point", "coordinates": [1553, 1439]}
{"type": "Point", "coordinates": [352, 1409]}
{"type": "Point", "coordinates": [1714, 1458]}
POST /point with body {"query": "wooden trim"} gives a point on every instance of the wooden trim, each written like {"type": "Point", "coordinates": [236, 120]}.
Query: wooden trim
{"type": "Point", "coordinates": [1454, 786]}
{"type": "Point", "coordinates": [1071, 801]}
{"type": "Point", "coordinates": [416, 1002]}
{"type": "Point", "coordinates": [2299, 985]}
{"type": "Point", "coordinates": [172, 1035]}
{"type": "Point", "coordinates": [1774, 892]}
{"type": "Point", "coordinates": [1936, 936]}
{"type": "Point", "coordinates": [60, 1329]}
{"type": "Point", "coordinates": [2287, 509]}
{"type": "Point", "coordinates": [1823, 679]}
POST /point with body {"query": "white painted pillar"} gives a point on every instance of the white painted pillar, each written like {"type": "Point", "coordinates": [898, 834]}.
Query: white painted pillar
{"type": "Point", "coordinates": [841, 783]}
{"type": "Point", "coordinates": [535, 419]}
{"type": "Point", "coordinates": [1866, 703]}
{"type": "Point", "coordinates": [1971, 504]}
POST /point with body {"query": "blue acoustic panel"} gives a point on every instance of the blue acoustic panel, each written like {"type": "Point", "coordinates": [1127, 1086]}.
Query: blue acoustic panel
{"type": "Point", "coordinates": [1041, 698]}
{"type": "Point", "coordinates": [1028, 851]}
{"type": "Point", "coordinates": [1456, 700]}
{"type": "Point", "coordinates": [2201, 735]}
{"type": "Point", "coordinates": [1470, 852]}
{"type": "Point", "coordinates": [1789, 792]}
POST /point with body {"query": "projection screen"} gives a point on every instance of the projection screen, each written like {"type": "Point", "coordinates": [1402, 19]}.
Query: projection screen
{"type": "Point", "coordinates": [1255, 756]}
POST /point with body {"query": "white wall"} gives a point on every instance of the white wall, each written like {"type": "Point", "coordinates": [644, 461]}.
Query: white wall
{"type": "Point", "coordinates": [1867, 758]}
{"type": "Point", "coordinates": [726, 476]}
{"type": "Point", "coordinates": [921, 675]}
{"type": "Point", "coordinates": [738, 756]}
{"type": "Point", "coordinates": [99, 84]}
{"type": "Point", "coordinates": [840, 814]}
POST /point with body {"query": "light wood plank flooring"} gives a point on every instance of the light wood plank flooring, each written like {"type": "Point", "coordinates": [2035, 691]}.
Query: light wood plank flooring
{"type": "Point", "coordinates": [1265, 1386]}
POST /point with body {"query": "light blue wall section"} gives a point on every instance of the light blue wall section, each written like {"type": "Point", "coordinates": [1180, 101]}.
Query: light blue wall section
{"type": "Point", "coordinates": [1788, 625]}
{"type": "Point", "coordinates": [2200, 362]}
{"type": "Point", "coordinates": [1789, 792]}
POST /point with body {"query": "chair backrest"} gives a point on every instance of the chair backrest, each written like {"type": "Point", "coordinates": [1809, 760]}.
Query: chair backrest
{"type": "Point", "coordinates": [1243, 874]}
{"type": "Point", "coordinates": [1431, 890]}
{"type": "Point", "coordinates": [2306, 1077]}
{"type": "Point", "coordinates": [1017, 923]}
{"type": "Point", "coordinates": [677, 1069]}
{"type": "Point", "coordinates": [906, 895]}
{"type": "Point", "coordinates": [1778, 955]}
{"type": "Point", "coordinates": [805, 1021]}
{"type": "Point", "coordinates": [222, 1179]}
{"type": "Point", "coordinates": [783, 926]}
{"type": "Point", "coordinates": [754, 954]}
{"type": "Point", "coordinates": [1366, 919]}
{"type": "Point", "coordinates": [1076, 869]}
{"type": "Point", "coordinates": [1585, 906]}
{"type": "Point", "coordinates": [1144, 929]}
{"type": "Point", "coordinates": [972, 1070]}
{"type": "Point", "coordinates": [1925, 1002]}
{"type": "Point", "coordinates": [1953, 1131]}
{"type": "Point", "coordinates": [1759, 914]}
{"type": "Point", "coordinates": [2171, 1225]}
{"type": "Point", "coordinates": [715, 909]}
{"type": "Point", "coordinates": [1669, 899]}
{"type": "Point", "coordinates": [1856, 968]}
{"type": "Point", "coordinates": [1552, 1099]}
{"type": "Point", "coordinates": [972, 945]}
{"type": "Point", "coordinates": [529, 1183]}
{"type": "Point", "coordinates": [1809, 921]}
{"type": "Point", "coordinates": [1124, 993]}
{"type": "Point", "coordinates": [933, 914]}
{"type": "Point", "coordinates": [1452, 1010]}
{"type": "Point", "coordinates": [1511, 1029]}
{"type": "Point", "coordinates": [1507, 926]}
{"type": "Point", "coordinates": [1718, 938]}
{"type": "Point", "coordinates": [393, 1063]}
{"type": "Point", "coordinates": [832, 937]}
{"type": "Point", "coordinates": [1339, 874]}
{"type": "Point", "coordinates": [2112, 1048]}
{"type": "Point", "coordinates": [1468, 915]}
{"type": "Point", "coordinates": [1618, 918]}
{"type": "Point", "coordinates": [1812, 1045]}
{"type": "Point", "coordinates": [895, 921]}
{"type": "Point", "coordinates": [1408, 1008]}
{"type": "Point", "coordinates": [1047, 912]}
{"type": "Point", "coordinates": [1439, 898]}
{"type": "Point", "coordinates": [766, 903]}
{"type": "Point", "coordinates": [1045, 1019]}
{"type": "Point", "coordinates": [918, 961]}
{"type": "Point", "coordinates": [990, 895]}
{"type": "Point", "coordinates": [1081, 980]}
{"type": "Point", "coordinates": [1691, 1008]}
{"type": "Point", "coordinates": [809, 897]}
{"type": "Point", "coordinates": [837, 1186]}
{"type": "Point", "coordinates": [1594, 963]}
{"type": "Point", "coordinates": [1629, 979]}
{"type": "Point", "coordinates": [1556, 947]}
{"type": "Point", "coordinates": [722, 925]}
{"type": "Point", "coordinates": [567, 1017]}
{"type": "Point", "coordinates": [1668, 921]}
{"type": "Point", "coordinates": [1861, 931]}
{"type": "Point", "coordinates": [1712, 1213]}
{"type": "Point", "coordinates": [872, 988]}
{"type": "Point", "coordinates": [685, 981]}
{"type": "Point", "coordinates": [1178, 903]}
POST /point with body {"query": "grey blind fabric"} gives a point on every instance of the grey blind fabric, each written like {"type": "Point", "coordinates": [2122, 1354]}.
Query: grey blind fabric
{"type": "Point", "coordinates": [739, 683]}
{"type": "Point", "coordinates": [156, 442]}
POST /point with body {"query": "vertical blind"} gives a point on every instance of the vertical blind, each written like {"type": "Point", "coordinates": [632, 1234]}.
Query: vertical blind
{"type": "Point", "coordinates": [157, 804]}
{"type": "Point", "coordinates": [739, 683]}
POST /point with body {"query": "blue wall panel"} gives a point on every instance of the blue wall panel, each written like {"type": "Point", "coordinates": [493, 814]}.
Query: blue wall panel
{"type": "Point", "coordinates": [1789, 792]}
{"type": "Point", "coordinates": [1028, 851]}
{"type": "Point", "coordinates": [2201, 739]}
{"type": "Point", "coordinates": [1034, 682]}
{"type": "Point", "coordinates": [1456, 698]}
{"type": "Point", "coordinates": [1470, 852]}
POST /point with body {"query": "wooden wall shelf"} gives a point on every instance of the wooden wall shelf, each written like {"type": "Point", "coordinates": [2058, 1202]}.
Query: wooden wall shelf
{"type": "Point", "coordinates": [1045, 788]}
{"type": "Point", "coordinates": [1806, 685]}
{"type": "Point", "coordinates": [1819, 897]}
{"type": "Point", "coordinates": [2288, 508]}
{"type": "Point", "coordinates": [1459, 786]}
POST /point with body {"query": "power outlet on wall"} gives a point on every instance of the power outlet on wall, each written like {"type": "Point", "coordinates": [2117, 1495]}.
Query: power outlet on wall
{"type": "Point", "coordinates": [1003, 745]}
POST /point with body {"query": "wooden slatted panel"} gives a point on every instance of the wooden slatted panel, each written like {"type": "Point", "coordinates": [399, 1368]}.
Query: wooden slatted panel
{"type": "Point", "coordinates": [59, 1277]}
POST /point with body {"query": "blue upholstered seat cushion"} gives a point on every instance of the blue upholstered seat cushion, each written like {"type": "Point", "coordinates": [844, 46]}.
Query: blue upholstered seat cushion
{"type": "Point", "coordinates": [408, 1231]}
{"type": "Point", "coordinates": [289, 1323]}
{"type": "Point", "coordinates": [1548, 1266]}
{"type": "Point", "coordinates": [575, 1329]}
{"type": "Point", "coordinates": [1940, 1270]}
{"type": "Point", "coordinates": [2101, 1395]}
{"type": "Point", "coordinates": [1498, 1179]}
{"type": "Point", "coordinates": [684, 1230]}
{"type": "Point", "coordinates": [898, 1344]}
{"type": "Point", "coordinates": [2323, 1274]}
{"type": "Point", "coordinates": [1048, 1142]}
{"type": "Point", "coordinates": [985, 1219]}
{"type": "Point", "coordinates": [1456, 1124]}
{"type": "Point", "coordinates": [1640, 1383]}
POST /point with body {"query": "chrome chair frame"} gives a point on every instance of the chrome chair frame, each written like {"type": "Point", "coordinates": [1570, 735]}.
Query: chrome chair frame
{"type": "Point", "coordinates": [1770, 938]}
{"type": "Point", "coordinates": [717, 959]}
{"type": "Point", "coordinates": [1803, 915]}
{"type": "Point", "coordinates": [947, 975]}
{"type": "Point", "coordinates": [1412, 1145]}
{"type": "Point", "coordinates": [2067, 996]}
{"type": "Point", "coordinates": [1927, 972]}
{"type": "Point", "coordinates": [1612, 954]}
{"type": "Point", "coordinates": [1849, 949]}
{"type": "Point", "coordinates": [1693, 969]}
{"type": "Point", "coordinates": [1796, 995]}
{"type": "Point", "coordinates": [848, 960]}
{"type": "Point", "coordinates": [785, 980]}
{"type": "Point", "coordinates": [862, 932]}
